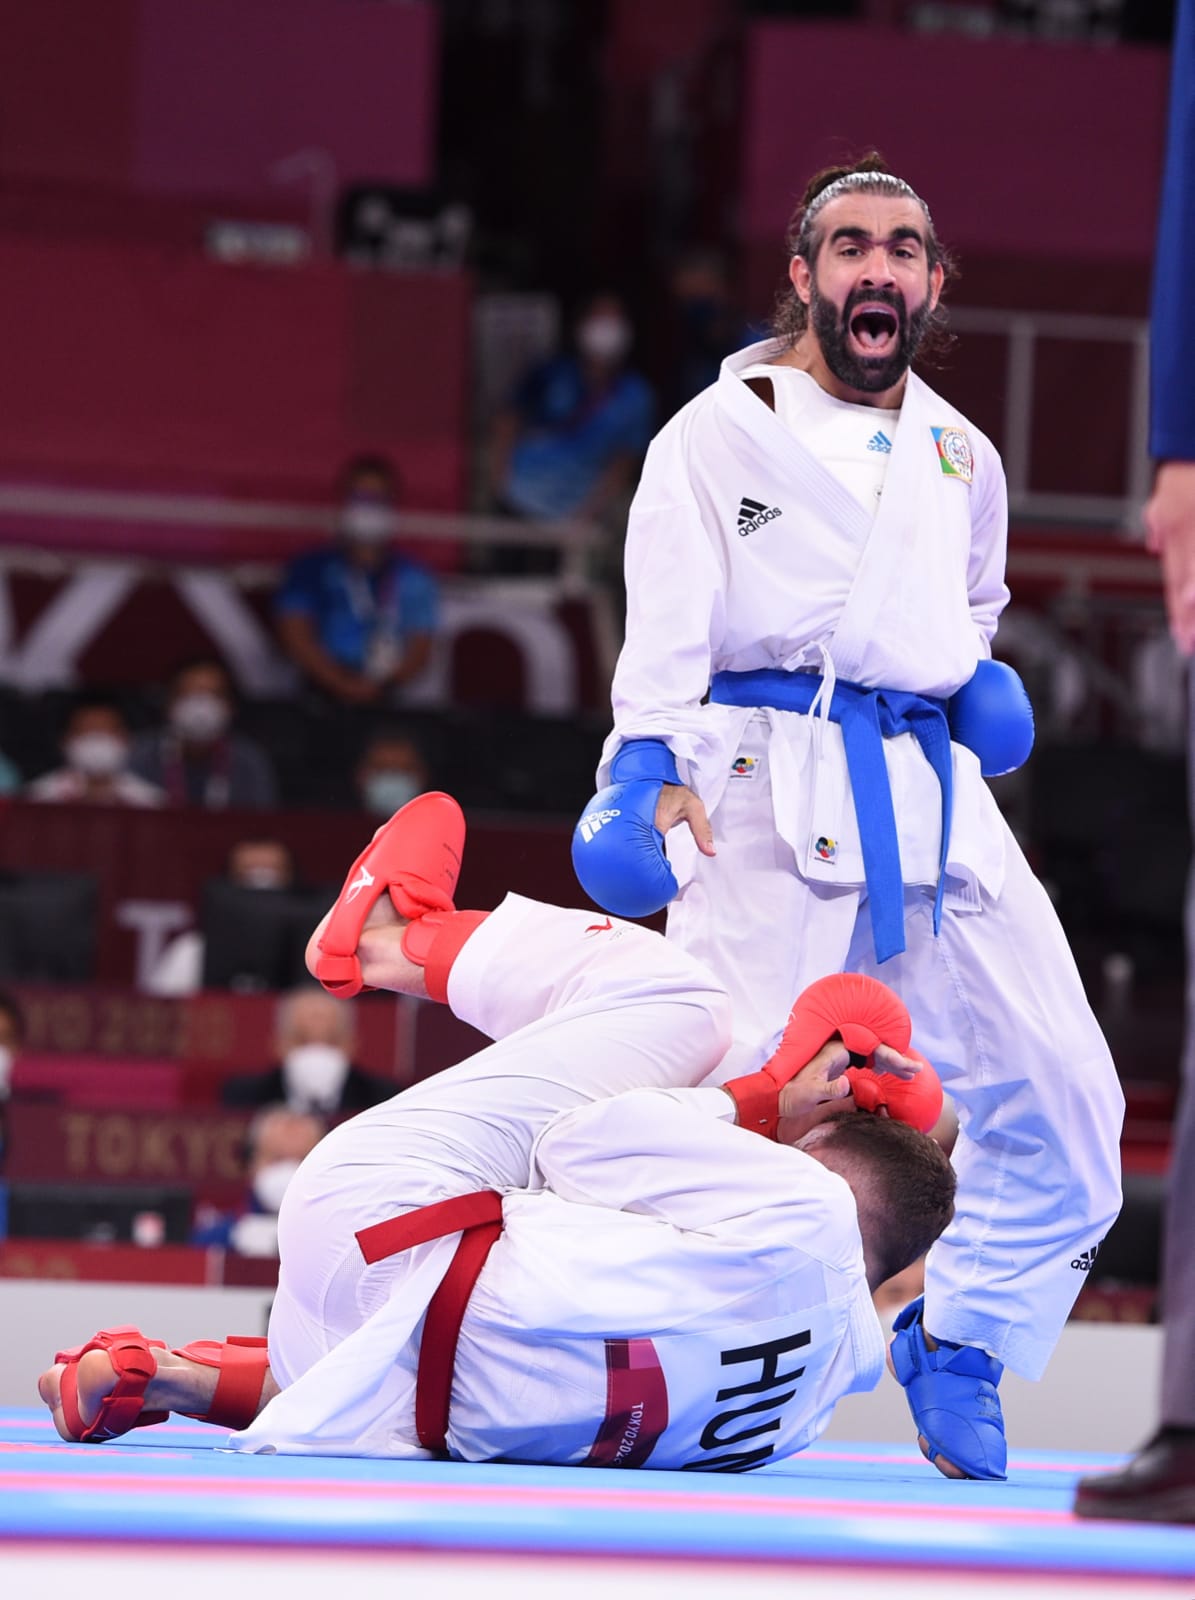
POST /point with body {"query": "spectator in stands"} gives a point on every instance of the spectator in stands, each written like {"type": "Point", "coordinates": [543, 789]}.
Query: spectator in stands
{"type": "Point", "coordinates": [196, 757]}
{"type": "Point", "coordinates": [97, 749]}
{"type": "Point", "coordinates": [570, 440]}
{"type": "Point", "coordinates": [703, 326]}
{"type": "Point", "coordinates": [277, 1141]}
{"type": "Point", "coordinates": [358, 617]}
{"type": "Point", "coordinates": [12, 1037]}
{"type": "Point", "coordinates": [253, 864]}
{"type": "Point", "coordinates": [315, 1070]}
{"type": "Point", "coordinates": [10, 776]}
{"type": "Point", "coordinates": [391, 771]}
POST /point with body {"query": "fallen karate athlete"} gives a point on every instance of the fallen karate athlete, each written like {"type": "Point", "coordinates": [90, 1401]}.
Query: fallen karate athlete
{"type": "Point", "coordinates": [560, 1250]}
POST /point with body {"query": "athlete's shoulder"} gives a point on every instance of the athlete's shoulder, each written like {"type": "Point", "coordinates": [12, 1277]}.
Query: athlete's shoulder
{"type": "Point", "coordinates": [690, 423]}
{"type": "Point", "coordinates": [941, 413]}
{"type": "Point", "coordinates": [680, 438]}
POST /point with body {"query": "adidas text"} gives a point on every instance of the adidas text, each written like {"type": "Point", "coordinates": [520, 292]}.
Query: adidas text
{"type": "Point", "coordinates": [753, 514]}
{"type": "Point", "coordinates": [593, 821]}
{"type": "Point", "coordinates": [1085, 1262]}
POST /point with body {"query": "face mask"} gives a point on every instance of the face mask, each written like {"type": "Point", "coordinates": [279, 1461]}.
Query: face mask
{"type": "Point", "coordinates": [201, 716]}
{"type": "Point", "coordinates": [96, 755]}
{"type": "Point", "coordinates": [604, 338]}
{"type": "Point", "coordinates": [367, 521]}
{"type": "Point", "coordinates": [385, 792]}
{"type": "Point", "coordinates": [270, 1183]}
{"type": "Point", "coordinates": [260, 878]}
{"type": "Point", "coordinates": [5, 1071]}
{"type": "Point", "coordinates": [314, 1074]}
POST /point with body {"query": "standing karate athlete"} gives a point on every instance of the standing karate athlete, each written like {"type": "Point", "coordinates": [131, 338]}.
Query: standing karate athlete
{"type": "Point", "coordinates": [815, 569]}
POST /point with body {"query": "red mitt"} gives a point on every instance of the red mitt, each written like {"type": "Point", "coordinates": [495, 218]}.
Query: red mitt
{"type": "Point", "coordinates": [917, 1101]}
{"type": "Point", "coordinates": [861, 1011]}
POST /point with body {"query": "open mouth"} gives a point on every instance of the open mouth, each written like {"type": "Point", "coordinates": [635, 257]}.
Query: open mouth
{"type": "Point", "coordinates": [874, 328]}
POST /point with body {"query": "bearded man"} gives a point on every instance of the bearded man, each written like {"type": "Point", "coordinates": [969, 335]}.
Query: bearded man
{"type": "Point", "coordinates": [815, 569]}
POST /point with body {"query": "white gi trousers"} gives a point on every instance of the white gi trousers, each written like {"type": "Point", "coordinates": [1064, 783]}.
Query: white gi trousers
{"type": "Point", "coordinates": [599, 1008]}
{"type": "Point", "coordinates": [997, 1005]}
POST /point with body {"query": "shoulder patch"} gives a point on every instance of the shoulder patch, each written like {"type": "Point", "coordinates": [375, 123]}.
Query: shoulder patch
{"type": "Point", "coordinates": [955, 456]}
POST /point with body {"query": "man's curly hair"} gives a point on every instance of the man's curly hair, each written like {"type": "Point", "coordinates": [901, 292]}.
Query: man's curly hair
{"type": "Point", "coordinates": [868, 175]}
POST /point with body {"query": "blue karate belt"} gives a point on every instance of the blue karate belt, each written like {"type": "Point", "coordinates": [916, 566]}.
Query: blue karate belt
{"type": "Point", "coordinates": [867, 717]}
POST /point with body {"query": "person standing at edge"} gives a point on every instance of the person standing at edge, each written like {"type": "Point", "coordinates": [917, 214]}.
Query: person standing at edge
{"type": "Point", "coordinates": [1159, 1483]}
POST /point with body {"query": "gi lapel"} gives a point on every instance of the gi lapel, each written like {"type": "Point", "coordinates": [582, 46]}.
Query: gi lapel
{"type": "Point", "coordinates": [779, 452]}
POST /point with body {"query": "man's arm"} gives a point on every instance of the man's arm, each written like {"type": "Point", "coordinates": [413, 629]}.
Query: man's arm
{"type": "Point", "coordinates": [675, 588]}
{"type": "Point", "coordinates": [1170, 514]}
{"type": "Point", "coordinates": [1170, 529]}
{"type": "Point", "coordinates": [299, 639]}
{"type": "Point", "coordinates": [987, 592]}
{"type": "Point", "coordinates": [416, 653]}
{"type": "Point", "coordinates": [418, 619]}
{"type": "Point", "coordinates": [676, 582]}
{"type": "Point", "coordinates": [675, 1154]}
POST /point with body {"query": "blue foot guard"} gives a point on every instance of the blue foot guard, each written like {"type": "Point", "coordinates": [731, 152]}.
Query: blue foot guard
{"type": "Point", "coordinates": [952, 1395]}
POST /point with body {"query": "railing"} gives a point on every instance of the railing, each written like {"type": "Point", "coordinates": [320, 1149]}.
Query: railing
{"type": "Point", "coordinates": [1023, 330]}
{"type": "Point", "coordinates": [277, 524]}
{"type": "Point", "coordinates": [97, 546]}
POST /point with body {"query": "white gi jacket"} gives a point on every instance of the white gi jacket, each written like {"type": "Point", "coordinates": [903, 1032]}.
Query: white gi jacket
{"type": "Point", "coordinates": [669, 1290]}
{"type": "Point", "coordinates": [903, 598]}
{"type": "Point", "coordinates": [681, 1294]}
{"type": "Point", "coordinates": [689, 1284]}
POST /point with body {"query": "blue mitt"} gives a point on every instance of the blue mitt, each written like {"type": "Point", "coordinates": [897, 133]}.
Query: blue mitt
{"type": "Point", "coordinates": [952, 1395]}
{"type": "Point", "coordinates": [992, 715]}
{"type": "Point", "coordinates": [618, 852]}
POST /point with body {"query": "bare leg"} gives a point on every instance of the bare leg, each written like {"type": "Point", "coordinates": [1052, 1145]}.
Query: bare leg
{"type": "Point", "coordinates": [179, 1385]}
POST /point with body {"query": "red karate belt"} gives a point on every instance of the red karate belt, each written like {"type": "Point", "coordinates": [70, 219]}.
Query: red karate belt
{"type": "Point", "coordinates": [478, 1219]}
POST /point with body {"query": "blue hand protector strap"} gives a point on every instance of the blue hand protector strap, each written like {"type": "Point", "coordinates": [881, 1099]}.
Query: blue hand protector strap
{"type": "Point", "coordinates": [952, 1395]}
{"type": "Point", "coordinates": [644, 758]}
{"type": "Point", "coordinates": [618, 852]}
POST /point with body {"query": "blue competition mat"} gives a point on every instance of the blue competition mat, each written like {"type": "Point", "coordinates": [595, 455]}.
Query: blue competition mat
{"type": "Point", "coordinates": [845, 1503]}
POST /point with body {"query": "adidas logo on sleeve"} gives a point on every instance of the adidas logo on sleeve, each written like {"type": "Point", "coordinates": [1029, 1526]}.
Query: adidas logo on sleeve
{"type": "Point", "coordinates": [753, 514]}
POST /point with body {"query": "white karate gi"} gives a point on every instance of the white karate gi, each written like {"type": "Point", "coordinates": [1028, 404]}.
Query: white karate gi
{"type": "Point", "coordinates": [666, 1285]}
{"type": "Point", "coordinates": [903, 597]}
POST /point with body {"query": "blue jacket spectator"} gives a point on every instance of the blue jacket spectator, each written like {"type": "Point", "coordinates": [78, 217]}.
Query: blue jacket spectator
{"type": "Point", "coordinates": [358, 617]}
{"type": "Point", "coordinates": [568, 444]}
